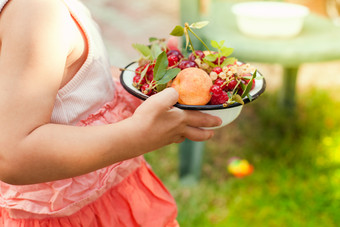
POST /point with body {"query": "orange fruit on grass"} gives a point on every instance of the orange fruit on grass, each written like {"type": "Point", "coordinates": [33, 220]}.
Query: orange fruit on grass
{"type": "Point", "coordinates": [193, 86]}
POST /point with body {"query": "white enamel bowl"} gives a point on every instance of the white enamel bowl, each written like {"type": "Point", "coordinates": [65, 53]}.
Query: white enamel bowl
{"type": "Point", "coordinates": [270, 19]}
{"type": "Point", "coordinates": [227, 114]}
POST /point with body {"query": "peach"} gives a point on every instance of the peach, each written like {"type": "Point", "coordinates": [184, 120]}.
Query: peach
{"type": "Point", "coordinates": [193, 86]}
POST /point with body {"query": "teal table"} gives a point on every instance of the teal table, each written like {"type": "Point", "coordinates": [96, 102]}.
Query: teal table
{"type": "Point", "coordinates": [319, 41]}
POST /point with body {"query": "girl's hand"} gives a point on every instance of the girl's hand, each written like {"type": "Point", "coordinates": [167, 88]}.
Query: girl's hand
{"type": "Point", "coordinates": [163, 124]}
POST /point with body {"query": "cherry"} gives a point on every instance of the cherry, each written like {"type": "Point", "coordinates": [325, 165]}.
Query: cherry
{"type": "Point", "coordinates": [150, 76]}
{"type": "Point", "coordinates": [139, 70]}
{"type": "Point", "coordinates": [176, 53]}
{"type": "Point", "coordinates": [215, 90]}
{"type": "Point", "coordinates": [150, 69]}
{"type": "Point", "coordinates": [221, 60]}
{"type": "Point", "coordinates": [173, 60]}
{"type": "Point", "coordinates": [217, 70]}
{"type": "Point", "coordinates": [220, 82]}
{"type": "Point", "coordinates": [199, 53]}
{"type": "Point", "coordinates": [187, 64]}
{"type": "Point", "coordinates": [137, 80]}
{"type": "Point", "coordinates": [231, 85]}
{"type": "Point", "coordinates": [146, 89]}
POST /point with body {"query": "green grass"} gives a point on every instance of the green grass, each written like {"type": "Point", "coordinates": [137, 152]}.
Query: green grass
{"type": "Point", "coordinates": [296, 181]}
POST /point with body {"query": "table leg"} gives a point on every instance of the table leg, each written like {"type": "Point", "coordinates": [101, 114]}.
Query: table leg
{"type": "Point", "coordinates": [190, 161]}
{"type": "Point", "coordinates": [288, 92]}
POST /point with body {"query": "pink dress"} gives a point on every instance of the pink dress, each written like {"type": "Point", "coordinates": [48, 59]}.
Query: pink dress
{"type": "Point", "coordinates": [124, 194]}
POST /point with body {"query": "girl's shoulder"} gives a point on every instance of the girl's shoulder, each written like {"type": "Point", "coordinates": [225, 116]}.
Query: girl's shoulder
{"type": "Point", "coordinates": [29, 17]}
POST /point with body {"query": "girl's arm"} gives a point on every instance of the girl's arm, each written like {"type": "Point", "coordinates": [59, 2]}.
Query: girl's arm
{"type": "Point", "coordinates": [34, 49]}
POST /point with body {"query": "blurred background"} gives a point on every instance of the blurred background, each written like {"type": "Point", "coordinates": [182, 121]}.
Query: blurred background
{"type": "Point", "coordinates": [296, 157]}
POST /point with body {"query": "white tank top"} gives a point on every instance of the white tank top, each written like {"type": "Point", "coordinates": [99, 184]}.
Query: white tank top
{"type": "Point", "coordinates": [92, 86]}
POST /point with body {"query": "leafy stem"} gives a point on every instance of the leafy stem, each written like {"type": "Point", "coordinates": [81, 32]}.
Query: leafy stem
{"type": "Point", "coordinates": [189, 29]}
{"type": "Point", "coordinates": [180, 31]}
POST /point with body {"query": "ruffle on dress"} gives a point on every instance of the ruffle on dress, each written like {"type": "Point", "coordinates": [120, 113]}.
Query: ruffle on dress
{"type": "Point", "coordinates": [139, 200]}
{"type": "Point", "coordinates": [129, 193]}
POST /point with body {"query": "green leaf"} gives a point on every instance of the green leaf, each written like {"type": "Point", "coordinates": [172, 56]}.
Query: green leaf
{"type": "Point", "coordinates": [214, 44]}
{"type": "Point", "coordinates": [226, 51]}
{"type": "Point", "coordinates": [209, 63]}
{"type": "Point", "coordinates": [142, 75]}
{"type": "Point", "coordinates": [169, 75]}
{"type": "Point", "coordinates": [160, 66]}
{"type": "Point", "coordinates": [249, 85]}
{"type": "Point", "coordinates": [156, 50]}
{"type": "Point", "coordinates": [177, 31]}
{"type": "Point", "coordinates": [199, 25]}
{"type": "Point", "coordinates": [160, 87]}
{"type": "Point", "coordinates": [238, 99]}
{"type": "Point", "coordinates": [143, 49]}
{"type": "Point", "coordinates": [152, 39]}
{"type": "Point", "coordinates": [228, 61]}
{"type": "Point", "coordinates": [250, 97]}
{"type": "Point", "coordinates": [211, 57]}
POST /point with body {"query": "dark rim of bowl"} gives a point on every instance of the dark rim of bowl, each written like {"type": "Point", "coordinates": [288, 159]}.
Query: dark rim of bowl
{"type": "Point", "coordinates": [193, 107]}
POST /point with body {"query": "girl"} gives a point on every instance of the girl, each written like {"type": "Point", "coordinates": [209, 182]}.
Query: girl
{"type": "Point", "coordinates": [55, 79]}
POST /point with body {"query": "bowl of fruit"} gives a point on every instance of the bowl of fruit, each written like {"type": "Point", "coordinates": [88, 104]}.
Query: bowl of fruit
{"type": "Point", "coordinates": [207, 80]}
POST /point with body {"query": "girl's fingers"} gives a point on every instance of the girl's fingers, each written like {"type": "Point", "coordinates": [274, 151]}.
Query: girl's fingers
{"type": "Point", "coordinates": [197, 134]}
{"type": "Point", "coordinates": [165, 99]}
{"type": "Point", "coordinates": [198, 119]}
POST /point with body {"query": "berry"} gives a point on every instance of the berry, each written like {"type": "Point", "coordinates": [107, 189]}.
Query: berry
{"type": "Point", "coordinates": [137, 80]}
{"type": "Point", "coordinates": [199, 53]}
{"type": "Point", "coordinates": [150, 69]}
{"type": "Point", "coordinates": [173, 60]}
{"type": "Point", "coordinates": [223, 98]}
{"type": "Point", "coordinates": [176, 53]}
{"type": "Point", "coordinates": [221, 60]}
{"type": "Point", "coordinates": [217, 70]}
{"type": "Point", "coordinates": [219, 99]}
{"type": "Point", "coordinates": [231, 85]}
{"type": "Point", "coordinates": [146, 89]}
{"type": "Point", "coordinates": [220, 82]}
{"type": "Point", "coordinates": [139, 70]}
{"type": "Point", "coordinates": [187, 64]}
{"type": "Point", "coordinates": [216, 90]}
{"type": "Point", "coordinates": [150, 76]}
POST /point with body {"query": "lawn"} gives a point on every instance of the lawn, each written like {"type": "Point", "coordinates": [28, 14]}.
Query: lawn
{"type": "Point", "coordinates": [296, 181]}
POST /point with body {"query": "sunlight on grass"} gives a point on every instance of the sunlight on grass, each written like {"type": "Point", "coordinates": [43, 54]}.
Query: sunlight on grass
{"type": "Point", "coordinates": [296, 181]}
